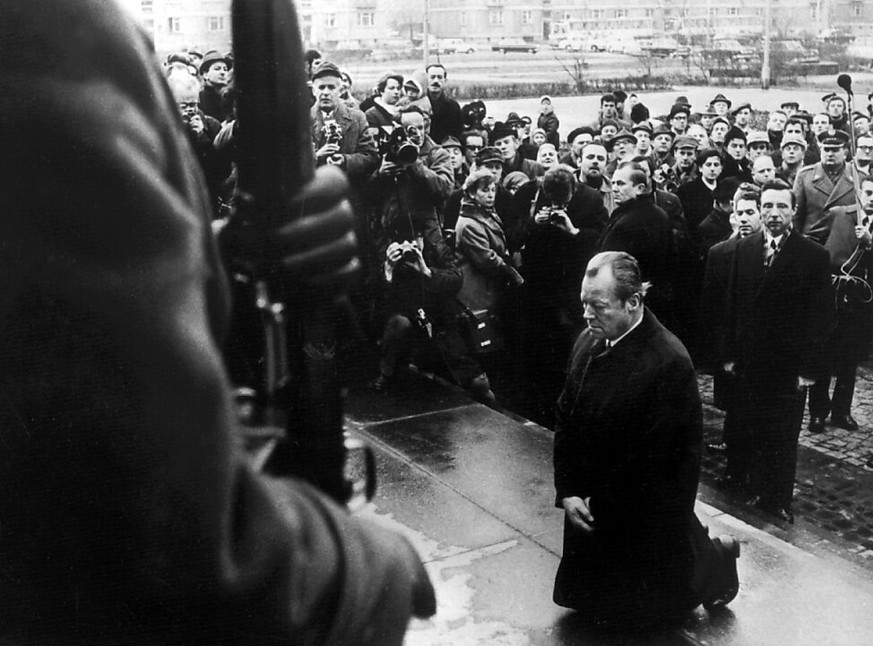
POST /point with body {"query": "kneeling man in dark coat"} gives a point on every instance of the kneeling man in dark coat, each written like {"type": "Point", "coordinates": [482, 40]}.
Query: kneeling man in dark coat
{"type": "Point", "coordinates": [627, 463]}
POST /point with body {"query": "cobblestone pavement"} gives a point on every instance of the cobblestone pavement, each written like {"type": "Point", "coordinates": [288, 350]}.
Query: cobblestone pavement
{"type": "Point", "coordinates": [834, 490]}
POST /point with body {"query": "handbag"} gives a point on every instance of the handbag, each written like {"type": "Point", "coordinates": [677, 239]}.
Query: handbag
{"type": "Point", "coordinates": [481, 329]}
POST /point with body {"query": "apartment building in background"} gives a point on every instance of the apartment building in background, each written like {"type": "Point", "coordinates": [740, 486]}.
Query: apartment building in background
{"type": "Point", "coordinates": [177, 25]}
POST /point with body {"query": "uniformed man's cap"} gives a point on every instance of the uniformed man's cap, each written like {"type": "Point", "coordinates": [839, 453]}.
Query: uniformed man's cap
{"type": "Point", "coordinates": [860, 115]}
{"type": "Point", "coordinates": [741, 106]}
{"type": "Point", "coordinates": [827, 97]}
{"type": "Point", "coordinates": [489, 154]}
{"type": "Point", "coordinates": [721, 98]}
{"type": "Point", "coordinates": [835, 138]}
{"type": "Point", "coordinates": [621, 135]}
{"type": "Point", "coordinates": [793, 139]}
{"type": "Point", "coordinates": [326, 68]}
{"type": "Point", "coordinates": [757, 137]}
{"type": "Point", "coordinates": [663, 129]}
{"type": "Point", "coordinates": [684, 141]}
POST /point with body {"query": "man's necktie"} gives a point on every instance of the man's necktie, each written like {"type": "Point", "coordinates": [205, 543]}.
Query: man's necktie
{"type": "Point", "coordinates": [771, 253]}
{"type": "Point", "coordinates": [865, 222]}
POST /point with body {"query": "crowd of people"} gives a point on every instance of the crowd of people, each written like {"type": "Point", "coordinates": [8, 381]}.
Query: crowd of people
{"type": "Point", "coordinates": [475, 230]}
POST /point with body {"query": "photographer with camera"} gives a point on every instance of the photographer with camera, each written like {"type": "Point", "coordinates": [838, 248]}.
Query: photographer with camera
{"type": "Point", "coordinates": [563, 221]}
{"type": "Point", "coordinates": [421, 281]}
{"type": "Point", "coordinates": [339, 133]}
{"type": "Point", "coordinates": [414, 177]}
{"type": "Point", "coordinates": [201, 130]}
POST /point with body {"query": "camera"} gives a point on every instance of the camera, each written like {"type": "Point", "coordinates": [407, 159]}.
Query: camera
{"type": "Point", "coordinates": [555, 215]}
{"type": "Point", "coordinates": [397, 145]}
{"type": "Point", "coordinates": [333, 134]}
{"type": "Point", "coordinates": [409, 254]}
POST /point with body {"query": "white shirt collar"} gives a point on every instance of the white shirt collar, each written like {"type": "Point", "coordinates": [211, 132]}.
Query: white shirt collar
{"type": "Point", "coordinates": [611, 344]}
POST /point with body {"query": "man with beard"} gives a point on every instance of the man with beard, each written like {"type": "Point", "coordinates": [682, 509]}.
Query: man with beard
{"type": "Point", "coordinates": [591, 173]}
{"type": "Point", "coordinates": [780, 309]}
{"type": "Point", "coordinates": [214, 71]}
{"type": "Point", "coordinates": [446, 116]}
{"type": "Point", "coordinates": [643, 230]}
{"type": "Point", "coordinates": [793, 149]}
{"type": "Point", "coordinates": [627, 463]}
{"type": "Point", "coordinates": [736, 164]}
{"type": "Point", "coordinates": [823, 186]}
{"type": "Point", "coordinates": [505, 138]}
{"type": "Point", "coordinates": [849, 342]}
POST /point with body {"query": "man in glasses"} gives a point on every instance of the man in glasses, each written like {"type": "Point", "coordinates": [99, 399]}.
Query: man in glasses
{"type": "Point", "coordinates": [201, 130]}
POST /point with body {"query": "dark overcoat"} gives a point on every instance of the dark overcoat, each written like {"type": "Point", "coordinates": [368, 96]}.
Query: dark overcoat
{"type": "Point", "coordinates": [628, 435]}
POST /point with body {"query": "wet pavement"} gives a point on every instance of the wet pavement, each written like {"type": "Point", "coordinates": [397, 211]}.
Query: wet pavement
{"type": "Point", "coordinates": [472, 487]}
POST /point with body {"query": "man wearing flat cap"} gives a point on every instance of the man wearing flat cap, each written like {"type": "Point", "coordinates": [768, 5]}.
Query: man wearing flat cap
{"type": "Point", "coordinates": [793, 151]}
{"type": "Point", "coordinates": [757, 144]}
{"type": "Point", "coordinates": [838, 115]}
{"type": "Point", "coordinates": [622, 147]}
{"type": "Point", "coordinates": [643, 132]}
{"type": "Point", "coordinates": [790, 107]}
{"type": "Point", "coordinates": [685, 151]}
{"type": "Point", "coordinates": [548, 121]}
{"type": "Point", "coordinates": [662, 146]}
{"type": "Point", "coordinates": [742, 115]}
{"type": "Point", "coordinates": [214, 70]}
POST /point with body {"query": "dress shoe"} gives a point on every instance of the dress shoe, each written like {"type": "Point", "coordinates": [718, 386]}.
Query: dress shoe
{"type": "Point", "coordinates": [754, 501]}
{"type": "Point", "coordinates": [844, 421]}
{"type": "Point", "coordinates": [729, 550]}
{"type": "Point", "coordinates": [816, 425]}
{"type": "Point", "coordinates": [719, 447]}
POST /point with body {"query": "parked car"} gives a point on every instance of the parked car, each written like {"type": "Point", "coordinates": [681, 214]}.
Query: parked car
{"type": "Point", "coordinates": [514, 45]}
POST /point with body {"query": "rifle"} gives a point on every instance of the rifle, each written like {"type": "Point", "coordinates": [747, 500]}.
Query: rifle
{"type": "Point", "coordinates": [275, 162]}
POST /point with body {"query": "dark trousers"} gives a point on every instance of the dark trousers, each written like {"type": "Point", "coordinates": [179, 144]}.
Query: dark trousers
{"type": "Point", "coordinates": [766, 443]}
{"type": "Point", "coordinates": [847, 345]}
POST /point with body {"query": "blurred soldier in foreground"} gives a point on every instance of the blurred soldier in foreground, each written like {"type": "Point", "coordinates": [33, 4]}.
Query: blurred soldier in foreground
{"type": "Point", "coordinates": [131, 514]}
{"type": "Point", "coordinates": [627, 463]}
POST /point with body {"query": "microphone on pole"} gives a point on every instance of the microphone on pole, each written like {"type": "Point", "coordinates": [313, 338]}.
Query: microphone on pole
{"type": "Point", "coordinates": [845, 82]}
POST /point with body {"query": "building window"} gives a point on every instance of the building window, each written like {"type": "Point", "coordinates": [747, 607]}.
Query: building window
{"type": "Point", "coordinates": [857, 10]}
{"type": "Point", "coordinates": [495, 17]}
{"type": "Point", "coordinates": [464, 18]}
{"type": "Point", "coordinates": [330, 20]}
{"type": "Point", "coordinates": [650, 13]}
{"type": "Point", "coordinates": [216, 23]}
{"type": "Point", "coordinates": [526, 17]}
{"type": "Point", "coordinates": [366, 18]}
{"type": "Point", "coordinates": [813, 13]}
{"type": "Point", "coordinates": [597, 14]}
{"type": "Point", "coordinates": [567, 16]}
{"type": "Point", "coordinates": [621, 13]}
{"type": "Point", "coordinates": [733, 11]}
{"type": "Point", "coordinates": [174, 25]}
{"type": "Point", "coordinates": [147, 6]}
